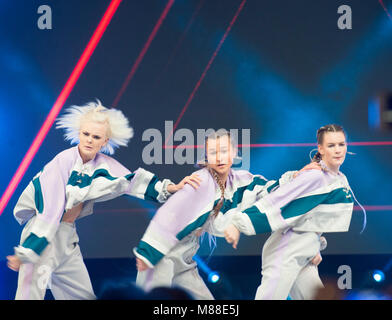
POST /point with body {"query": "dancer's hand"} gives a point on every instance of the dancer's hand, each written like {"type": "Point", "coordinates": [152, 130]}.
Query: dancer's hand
{"type": "Point", "coordinates": [141, 265]}
{"type": "Point", "coordinates": [72, 214]}
{"type": "Point", "coordinates": [193, 180]}
{"type": "Point", "coordinates": [316, 260]}
{"type": "Point", "coordinates": [232, 235]}
{"type": "Point", "coordinates": [309, 166]}
{"type": "Point", "coordinates": [13, 263]}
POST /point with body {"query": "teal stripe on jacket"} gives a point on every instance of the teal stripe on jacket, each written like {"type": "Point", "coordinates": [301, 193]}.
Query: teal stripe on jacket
{"type": "Point", "coordinates": [239, 194]}
{"type": "Point", "coordinates": [303, 205]}
{"type": "Point", "coordinates": [199, 222]}
{"type": "Point", "coordinates": [273, 186]}
{"type": "Point", "coordinates": [151, 193]}
{"type": "Point", "coordinates": [227, 205]}
{"type": "Point", "coordinates": [82, 181]}
{"type": "Point", "coordinates": [258, 219]}
{"type": "Point", "coordinates": [298, 207]}
{"type": "Point", "coordinates": [153, 255]}
{"type": "Point", "coordinates": [35, 243]}
{"type": "Point", "coordinates": [38, 198]}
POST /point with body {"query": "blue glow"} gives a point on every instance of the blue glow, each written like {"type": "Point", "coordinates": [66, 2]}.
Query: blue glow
{"type": "Point", "coordinates": [367, 295]}
{"type": "Point", "coordinates": [374, 119]}
{"type": "Point", "coordinates": [213, 276]}
{"type": "Point", "coordinates": [378, 276]}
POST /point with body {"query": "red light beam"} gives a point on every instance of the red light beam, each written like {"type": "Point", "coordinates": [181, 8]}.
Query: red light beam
{"type": "Point", "coordinates": [179, 42]}
{"type": "Point", "coordinates": [284, 145]}
{"type": "Point", "coordinates": [112, 8]}
{"type": "Point", "coordinates": [385, 9]}
{"type": "Point", "coordinates": [142, 53]}
{"type": "Point", "coordinates": [206, 69]}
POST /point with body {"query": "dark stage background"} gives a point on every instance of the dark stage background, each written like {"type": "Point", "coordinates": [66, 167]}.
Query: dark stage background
{"type": "Point", "coordinates": [284, 70]}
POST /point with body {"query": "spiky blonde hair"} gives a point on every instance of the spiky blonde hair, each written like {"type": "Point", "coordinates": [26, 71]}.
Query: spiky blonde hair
{"type": "Point", "coordinates": [119, 132]}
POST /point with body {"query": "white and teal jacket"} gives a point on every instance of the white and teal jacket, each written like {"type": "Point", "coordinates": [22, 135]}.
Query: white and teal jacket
{"type": "Point", "coordinates": [315, 201]}
{"type": "Point", "coordinates": [65, 182]}
{"type": "Point", "coordinates": [188, 211]}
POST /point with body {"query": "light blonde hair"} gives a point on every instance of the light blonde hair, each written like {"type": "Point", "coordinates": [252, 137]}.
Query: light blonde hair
{"type": "Point", "coordinates": [118, 130]}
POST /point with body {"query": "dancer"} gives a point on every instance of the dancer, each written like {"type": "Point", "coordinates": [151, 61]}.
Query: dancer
{"type": "Point", "coordinates": [165, 253]}
{"type": "Point", "coordinates": [65, 190]}
{"type": "Point", "coordinates": [297, 213]}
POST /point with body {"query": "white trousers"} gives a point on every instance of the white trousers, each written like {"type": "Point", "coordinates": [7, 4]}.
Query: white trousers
{"type": "Point", "coordinates": [286, 267]}
{"type": "Point", "coordinates": [61, 268]}
{"type": "Point", "coordinates": [177, 269]}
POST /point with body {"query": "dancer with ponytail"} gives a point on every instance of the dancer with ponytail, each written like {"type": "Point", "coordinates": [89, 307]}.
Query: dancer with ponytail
{"type": "Point", "coordinates": [297, 213]}
{"type": "Point", "coordinates": [165, 252]}
{"type": "Point", "coordinates": [65, 190]}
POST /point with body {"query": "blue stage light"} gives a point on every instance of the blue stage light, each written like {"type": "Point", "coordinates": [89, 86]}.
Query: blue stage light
{"type": "Point", "coordinates": [213, 277]}
{"type": "Point", "coordinates": [378, 276]}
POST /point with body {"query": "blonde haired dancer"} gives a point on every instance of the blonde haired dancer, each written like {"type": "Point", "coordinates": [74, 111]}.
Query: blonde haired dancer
{"type": "Point", "coordinates": [65, 190]}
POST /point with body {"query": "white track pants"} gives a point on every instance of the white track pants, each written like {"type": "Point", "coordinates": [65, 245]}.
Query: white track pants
{"type": "Point", "coordinates": [286, 269]}
{"type": "Point", "coordinates": [177, 269]}
{"type": "Point", "coordinates": [61, 268]}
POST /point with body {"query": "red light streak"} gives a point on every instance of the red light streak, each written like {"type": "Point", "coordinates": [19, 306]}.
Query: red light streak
{"type": "Point", "coordinates": [206, 69]}
{"type": "Point", "coordinates": [142, 53]}
{"type": "Point", "coordinates": [59, 103]}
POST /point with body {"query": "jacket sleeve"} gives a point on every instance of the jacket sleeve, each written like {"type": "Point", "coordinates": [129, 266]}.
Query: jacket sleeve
{"type": "Point", "coordinates": [249, 194]}
{"type": "Point", "coordinates": [147, 186]}
{"type": "Point", "coordinates": [48, 190]}
{"type": "Point", "coordinates": [142, 184]}
{"type": "Point", "coordinates": [282, 207]}
{"type": "Point", "coordinates": [110, 180]}
{"type": "Point", "coordinates": [174, 220]}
